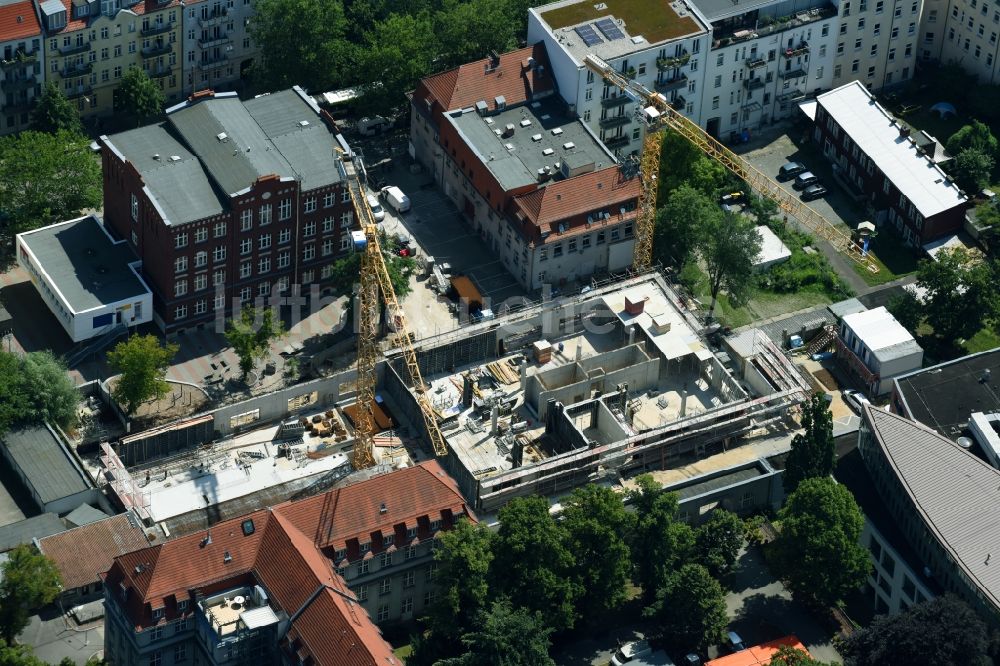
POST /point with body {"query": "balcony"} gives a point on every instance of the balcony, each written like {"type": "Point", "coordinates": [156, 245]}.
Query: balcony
{"type": "Point", "coordinates": [25, 83]}
{"type": "Point", "coordinates": [679, 103]}
{"type": "Point", "coordinates": [617, 141]}
{"type": "Point", "coordinates": [755, 83]}
{"type": "Point", "coordinates": [215, 17]}
{"type": "Point", "coordinates": [617, 100]}
{"type": "Point", "coordinates": [160, 72]}
{"type": "Point", "coordinates": [79, 91]}
{"type": "Point", "coordinates": [677, 83]}
{"type": "Point", "coordinates": [793, 73]}
{"type": "Point", "coordinates": [78, 69]}
{"type": "Point", "coordinates": [221, 40]}
{"type": "Point", "coordinates": [74, 48]}
{"type": "Point", "coordinates": [672, 62]}
{"type": "Point", "coordinates": [157, 29]}
{"type": "Point", "coordinates": [212, 63]}
{"type": "Point", "coordinates": [19, 106]}
{"type": "Point", "coordinates": [236, 611]}
{"type": "Point", "coordinates": [19, 58]}
{"type": "Point", "coordinates": [615, 121]}
{"type": "Point", "coordinates": [801, 49]}
{"type": "Point", "coordinates": [754, 63]}
{"type": "Point", "coordinates": [790, 95]}
{"type": "Point", "coordinates": [157, 50]}
{"type": "Point", "coordinates": [727, 35]}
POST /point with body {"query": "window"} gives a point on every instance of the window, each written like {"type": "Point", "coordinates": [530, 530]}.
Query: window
{"type": "Point", "coordinates": [383, 613]}
{"type": "Point", "coordinates": [715, 102]}
{"type": "Point", "coordinates": [409, 579]}
{"type": "Point", "coordinates": [572, 245]}
{"type": "Point", "coordinates": [345, 196]}
{"type": "Point", "coordinates": [362, 567]}
{"type": "Point", "coordinates": [328, 199]}
{"type": "Point", "coordinates": [871, 72]}
{"type": "Point", "coordinates": [307, 276]}
{"type": "Point", "coordinates": [180, 312]}
{"type": "Point", "coordinates": [265, 214]}
{"type": "Point", "coordinates": [264, 265]}
{"type": "Point", "coordinates": [156, 658]}
{"type": "Point", "coordinates": [879, 6]}
{"type": "Point", "coordinates": [246, 220]}
{"type": "Point", "coordinates": [284, 259]}
{"type": "Point", "coordinates": [284, 236]}
{"type": "Point", "coordinates": [385, 586]}
{"type": "Point", "coordinates": [264, 288]}
{"type": "Point", "coordinates": [220, 229]}
{"type": "Point", "coordinates": [200, 282]}
{"type": "Point", "coordinates": [135, 209]}
{"type": "Point", "coordinates": [327, 225]}
{"type": "Point", "coordinates": [855, 66]}
{"type": "Point", "coordinates": [826, 30]}
{"type": "Point", "coordinates": [328, 246]}
{"type": "Point", "coordinates": [180, 287]}
{"type": "Point", "coordinates": [362, 593]}
{"type": "Point", "coordinates": [181, 240]}
{"type": "Point", "coordinates": [407, 605]}
{"type": "Point", "coordinates": [557, 250]}
{"type": "Point", "coordinates": [310, 204]}
{"type": "Point", "coordinates": [819, 72]}
{"type": "Point", "coordinates": [837, 71]}
{"type": "Point", "coordinates": [857, 44]}
{"type": "Point", "coordinates": [218, 278]}
{"type": "Point", "coordinates": [430, 571]}
{"type": "Point", "coordinates": [874, 50]}
{"type": "Point", "coordinates": [894, 33]}
{"type": "Point", "coordinates": [861, 23]}
{"type": "Point", "coordinates": [346, 219]}
{"type": "Point", "coordinates": [615, 234]}
{"type": "Point", "coordinates": [385, 560]}
{"type": "Point", "coordinates": [219, 302]}
{"type": "Point", "coordinates": [892, 54]}
{"type": "Point", "coordinates": [284, 209]}
{"type": "Point", "coordinates": [201, 235]}
{"type": "Point", "coordinates": [600, 238]}
{"type": "Point", "coordinates": [309, 229]}
{"type": "Point", "coordinates": [308, 253]}
{"type": "Point", "coordinates": [264, 241]}
{"type": "Point", "coordinates": [409, 553]}
{"type": "Point", "coordinates": [840, 48]}
{"type": "Point", "coordinates": [180, 653]}
{"type": "Point", "coordinates": [180, 264]}
{"type": "Point", "coordinates": [718, 80]}
{"type": "Point", "coordinates": [877, 30]}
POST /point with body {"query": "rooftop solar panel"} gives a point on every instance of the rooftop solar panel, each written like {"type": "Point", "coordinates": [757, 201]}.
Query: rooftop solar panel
{"type": "Point", "coordinates": [588, 35]}
{"type": "Point", "coordinates": [610, 29]}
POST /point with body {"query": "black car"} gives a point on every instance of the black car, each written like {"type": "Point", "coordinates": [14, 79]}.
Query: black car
{"type": "Point", "coordinates": [814, 191]}
{"type": "Point", "coordinates": [790, 170]}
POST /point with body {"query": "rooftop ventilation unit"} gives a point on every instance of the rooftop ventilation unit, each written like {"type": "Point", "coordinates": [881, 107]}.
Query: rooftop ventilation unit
{"type": "Point", "coordinates": [175, 158]}
{"type": "Point", "coordinates": [489, 121]}
{"type": "Point", "coordinates": [222, 136]}
{"type": "Point", "coordinates": [569, 145]}
{"type": "Point", "coordinates": [498, 132]}
{"type": "Point", "coordinates": [547, 152]}
{"type": "Point", "coordinates": [526, 123]}
{"type": "Point", "coordinates": [536, 137]}
{"type": "Point", "coordinates": [509, 147]}
{"type": "Point", "coordinates": [557, 131]}
{"type": "Point", "coordinates": [501, 102]}
{"type": "Point", "coordinates": [509, 129]}
{"type": "Point", "coordinates": [481, 107]}
{"type": "Point", "coordinates": [303, 123]}
{"type": "Point", "coordinates": [156, 157]}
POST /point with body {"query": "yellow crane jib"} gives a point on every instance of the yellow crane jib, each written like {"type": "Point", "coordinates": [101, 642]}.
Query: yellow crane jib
{"type": "Point", "coordinates": [658, 115]}
{"type": "Point", "coordinates": [374, 279]}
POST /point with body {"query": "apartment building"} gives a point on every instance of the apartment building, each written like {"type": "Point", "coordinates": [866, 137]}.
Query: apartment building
{"type": "Point", "coordinates": [218, 49]}
{"type": "Point", "coordinates": [90, 45]}
{"type": "Point", "coordinates": [764, 59]}
{"type": "Point", "coordinates": [268, 587]}
{"type": "Point", "coordinates": [22, 64]}
{"type": "Point", "coordinates": [963, 32]}
{"type": "Point", "coordinates": [877, 42]}
{"type": "Point", "coordinates": [665, 50]}
{"type": "Point", "coordinates": [228, 200]}
{"type": "Point", "coordinates": [877, 158]}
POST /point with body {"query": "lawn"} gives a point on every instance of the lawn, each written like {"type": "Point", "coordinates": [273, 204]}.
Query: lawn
{"type": "Point", "coordinates": [657, 22]}
{"type": "Point", "coordinates": [937, 350]}
{"type": "Point", "coordinates": [986, 338]}
{"type": "Point", "coordinates": [763, 305]}
{"type": "Point", "coordinates": [402, 652]}
{"type": "Point", "coordinates": [894, 260]}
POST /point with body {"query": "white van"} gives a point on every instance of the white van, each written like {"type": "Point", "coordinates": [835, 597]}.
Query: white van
{"type": "Point", "coordinates": [395, 197]}
{"type": "Point", "coordinates": [373, 126]}
{"type": "Point", "coordinates": [377, 211]}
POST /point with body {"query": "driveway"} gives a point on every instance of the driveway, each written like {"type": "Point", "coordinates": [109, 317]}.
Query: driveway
{"type": "Point", "coordinates": [54, 638]}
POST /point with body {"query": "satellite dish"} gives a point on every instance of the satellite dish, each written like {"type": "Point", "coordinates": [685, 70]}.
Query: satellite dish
{"type": "Point", "coordinates": [964, 442]}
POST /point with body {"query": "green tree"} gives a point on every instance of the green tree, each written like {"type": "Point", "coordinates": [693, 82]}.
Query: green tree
{"type": "Point", "coordinates": [19, 655]}
{"type": "Point", "coordinates": [468, 30]}
{"type": "Point", "coordinates": [682, 163]}
{"type": "Point", "coordinates": [907, 309]}
{"type": "Point", "coordinates": [30, 580]}
{"type": "Point", "coordinates": [463, 558]}
{"type": "Point", "coordinates": [763, 210]}
{"type": "Point", "coordinates": [660, 542]}
{"type": "Point", "coordinates": [791, 656]}
{"type": "Point", "coordinates": [817, 550]}
{"type": "Point", "coordinates": [728, 247]}
{"type": "Point", "coordinates": [972, 168]}
{"type": "Point", "coordinates": [960, 293]}
{"type": "Point", "coordinates": [690, 609]}
{"type": "Point", "coordinates": [14, 401]}
{"type": "Point", "coordinates": [812, 451]}
{"type": "Point", "coordinates": [718, 541]}
{"type": "Point", "coordinates": [45, 178]}
{"type": "Point", "coordinates": [143, 364]}
{"type": "Point", "coordinates": [53, 112]}
{"type": "Point", "coordinates": [138, 96]}
{"type": "Point", "coordinates": [976, 136]}
{"type": "Point", "coordinates": [531, 563]}
{"type": "Point", "coordinates": [399, 52]}
{"type": "Point", "coordinates": [304, 43]}
{"type": "Point", "coordinates": [49, 392]}
{"type": "Point", "coordinates": [251, 335]}
{"type": "Point", "coordinates": [347, 270]}
{"type": "Point", "coordinates": [506, 636]}
{"type": "Point", "coordinates": [943, 631]}
{"type": "Point", "coordinates": [680, 223]}
{"type": "Point", "coordinates": [597, 526]}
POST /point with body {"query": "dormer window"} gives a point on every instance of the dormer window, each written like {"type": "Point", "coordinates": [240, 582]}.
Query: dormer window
{"type": "Point", "coordinates": [182, 605]}
{"type": "Point", "coordinates": [157, 613]}
{"type": "Point", "coordinates": [340, 554]}
{"type": "Point", "coordinates": [411, 532]}
{"type": "Point", "coordinates": [435, 525]}
{"type": "Point", "coordinates": [388, 539]}
{"type": "Point", "coordinates": [366, 546]}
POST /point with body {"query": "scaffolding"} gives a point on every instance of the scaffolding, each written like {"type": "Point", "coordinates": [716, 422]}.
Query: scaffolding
{"type": "Point", "coordinates": [132, 496]}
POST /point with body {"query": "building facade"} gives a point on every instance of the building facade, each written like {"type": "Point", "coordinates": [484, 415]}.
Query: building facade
{"type": "Point", "coordinates": [90, 45]}
{"type": "Point", "coordinates": [22, 64]}
{"type": "Point", "coordinates": [218, 49]}
{"type": "Point", "coordinates": [964, 33]}
{"type": "Point", "coordinates": [228, 201]}
{"type": "Point", "coordinates": [877, 42]}
{"type": "Point", "coordinates": [875, 348]}
{"type": "Point", "coordinates": [876, 156]}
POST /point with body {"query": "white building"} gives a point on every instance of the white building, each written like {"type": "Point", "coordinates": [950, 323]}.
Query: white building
{"type": "Point", "coordinates": [666, 55]}
{"type": "Point", "coordinates": [218, 49]}
{"type": "Point", "coordinates": [964, 32]}
{"type": "Point", "coordinates": [877, 348]}
{"type": "Point", "coordinates": [877, 42]}
{"type": "Point", "coordinates": [89, 281]}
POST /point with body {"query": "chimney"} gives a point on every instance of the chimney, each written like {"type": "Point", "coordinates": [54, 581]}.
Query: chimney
{"type": "Point", "coordinates": [579, 351]}
{"type": "Point", "coordinates": [904, 132]}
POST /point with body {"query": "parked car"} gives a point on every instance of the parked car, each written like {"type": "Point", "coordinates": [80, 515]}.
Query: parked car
{"type": "Point", "coordinates": [630, 651]}
{"type": "Point", "coordinates": [804, 180]}
{"type": "Point", "coordinates": [790, 169]}
{"type": "Point", "coordinates": [814, 191]}
{"type": "Point", "coordinates": [855, 399]}
{"type": "Point", "coordinates": [395, 197]}
{"type": "Point", "coordinates": [377, 211]}
{"type": "Point", "coordinates": [733, 642]}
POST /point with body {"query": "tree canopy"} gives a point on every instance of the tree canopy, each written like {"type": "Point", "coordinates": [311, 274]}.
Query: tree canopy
{"type": "Point", "coordinates": [506, 636]}
{"type": "Point", "coordinates": [943, 631]}
{"type": "Point", "coordinates": [679, 225]}
{"type": "Point", "coordinates": [960, 293]}
{"type": "Point", "coordinates": [972, 169]}
{"type": "Point", "coordinates": [45, 178]}
{"type": "Point", "coordinates": [817, 550]}
{"type": "Point", "coordinates": [907, 309]}
{"type": "Point", "coordinates": [729, 246]}
{"type": "Point", "coordinates": [660, 542]}
{"type": "Point", "coordinates": [812, 451]}
{"type": "Point", "coordinates": [718, 541]}
{"type": "Point", "coordinates": [790, 656]}
{"type": "Point", "coordinates": [36, 388]}
{"type": "Point", "coordinates": [143, 364]}
{"type": "Point", "coordinates": [690, 609]}
{"type": "Point", "coordinates": [976, 136]}
{"type": "Point", "coordinates": [54, 112]}
{"type": "Point", "coordinates": [138, 95]}
{"type": "Point", "coordinates": [463, 557]}
{"type": "Point", "coordinates": [250, 336]}
{"type": "Point", "coordinates": [30, 580]}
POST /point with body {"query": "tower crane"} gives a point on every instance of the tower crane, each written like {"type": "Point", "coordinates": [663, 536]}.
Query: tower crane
{"type": "Point", "coordinates": [375, 279]}
{"type": "Point", "coordinates": [659, 115]}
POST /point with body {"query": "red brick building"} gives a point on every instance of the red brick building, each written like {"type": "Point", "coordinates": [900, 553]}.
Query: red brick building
{"type": "Point", "coordinates": [269, 587]}
{"type": "Point", "coordinates": [876, 154]}
{"type": "Point", "coordinates": [228, 200]}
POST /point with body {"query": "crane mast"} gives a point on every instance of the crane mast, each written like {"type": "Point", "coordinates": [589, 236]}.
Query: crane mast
{"type": "Point", "coordinates": [659, 115]}
{"type": "Point", "coordinates": [374, 280]}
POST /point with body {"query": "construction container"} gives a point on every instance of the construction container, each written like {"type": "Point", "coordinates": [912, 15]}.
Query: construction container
{"type": "Point", "coordinates": [542, 351]}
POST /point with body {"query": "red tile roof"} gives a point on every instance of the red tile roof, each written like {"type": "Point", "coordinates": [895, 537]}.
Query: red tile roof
{"type": "Point", "coordinates": [577, 196]}
{"type": "Point", "coordinates": [84, 553]}
{"type": "Point", "coordinates": [139, 9]}
{"type": "Point", "coordinates": [513, 78]}
{"type": "Point", "coordinates": [18, 21]}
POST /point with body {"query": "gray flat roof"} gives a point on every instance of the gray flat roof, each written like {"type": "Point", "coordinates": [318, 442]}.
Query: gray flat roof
{"type": "Point", "coordinates": [954, 492]}
{"type": "Point", "coordinates": [23, 531]}
{"type": "Point", "coordinates": [518, 166]}
{"type": "Point", "coordinates": [45, 463]}
{"type": "Point", "coordinates": [89, 268]}
{"type": "Point", "coordinates": [716, 482]}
